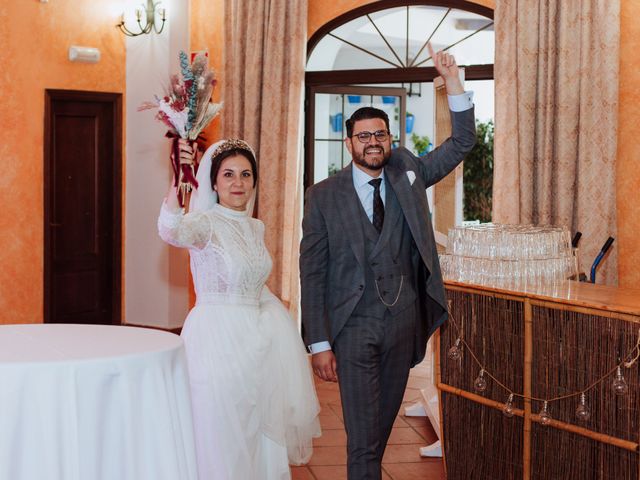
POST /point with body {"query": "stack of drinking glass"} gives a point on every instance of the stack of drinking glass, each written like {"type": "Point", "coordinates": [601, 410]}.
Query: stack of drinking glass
{"type": "Point", "coordinates": [511, 256]}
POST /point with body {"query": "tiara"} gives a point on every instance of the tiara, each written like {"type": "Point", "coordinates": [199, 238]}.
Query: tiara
{"type": "Point", "coordinates": [232, 144]}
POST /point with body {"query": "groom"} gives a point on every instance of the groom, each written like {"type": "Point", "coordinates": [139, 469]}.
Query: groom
{"type": "Point", "coordinates": [372, 291]}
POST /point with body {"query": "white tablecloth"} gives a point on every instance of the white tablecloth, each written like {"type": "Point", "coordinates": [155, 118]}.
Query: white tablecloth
{"type": "Point", "coordinates": [89, 402]}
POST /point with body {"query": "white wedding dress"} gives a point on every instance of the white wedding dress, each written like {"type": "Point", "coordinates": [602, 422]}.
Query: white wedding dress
{"type": "Point", "coordinates": [255, 408]}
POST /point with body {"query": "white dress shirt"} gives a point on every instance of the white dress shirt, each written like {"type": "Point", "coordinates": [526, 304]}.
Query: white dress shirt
{"type": "Point", "coordinates": [365, 190]}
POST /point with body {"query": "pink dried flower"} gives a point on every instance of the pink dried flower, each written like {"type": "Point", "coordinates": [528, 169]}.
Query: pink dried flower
{"type": "Point", "coordinates": [186, 106]}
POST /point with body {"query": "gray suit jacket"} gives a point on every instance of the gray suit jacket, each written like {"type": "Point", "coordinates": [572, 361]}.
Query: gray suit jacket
{"type": "Point", "coordinates": [332, 247]}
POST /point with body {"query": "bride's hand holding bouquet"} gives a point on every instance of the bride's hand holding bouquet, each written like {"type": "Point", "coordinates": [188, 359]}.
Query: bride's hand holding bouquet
{"type": "Point", "coordinates": [187, 159]}
{"type": "Point", "coordinates": [186, 108]}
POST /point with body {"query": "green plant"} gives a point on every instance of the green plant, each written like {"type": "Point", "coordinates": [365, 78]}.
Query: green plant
{"type": "Point", "coordinates": [420, 143]}
{"type": "Point", "coordinates": [396, 113]}
{"type": "Point", "coordinates": [478, 175]}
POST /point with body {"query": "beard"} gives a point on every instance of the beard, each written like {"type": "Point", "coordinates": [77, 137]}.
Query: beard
{"type": "Point", "coordinates": [375, 163]}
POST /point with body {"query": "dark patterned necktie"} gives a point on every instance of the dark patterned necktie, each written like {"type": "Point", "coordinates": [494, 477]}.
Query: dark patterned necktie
{"type": "Point", "coordinates": [378, 206]}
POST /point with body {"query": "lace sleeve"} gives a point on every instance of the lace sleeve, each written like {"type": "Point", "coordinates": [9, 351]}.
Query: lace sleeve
{"type": "Point", "coordinates": [190, 230]}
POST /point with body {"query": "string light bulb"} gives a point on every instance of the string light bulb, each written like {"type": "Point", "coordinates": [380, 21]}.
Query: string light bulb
{"type": "Point", "coordinates": [582, 412]}
{"type": "Point", "coordinates": [480, 384]}
{"type": "Point", "coordinates": [455, 352]}
{"type": "Point", "coordinates": [507, 410]}
{"type": "Point", "coordinates": [545, 416]}
{"type": "Point", "coordinates": [619, 384]}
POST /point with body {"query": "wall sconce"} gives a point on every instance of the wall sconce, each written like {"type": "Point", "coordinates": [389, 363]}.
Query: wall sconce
{"type": "Point", "coordinates": [150, 17]}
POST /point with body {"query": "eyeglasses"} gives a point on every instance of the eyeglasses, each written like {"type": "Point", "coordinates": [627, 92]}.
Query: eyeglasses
{"type": "Point", "coordinates": [365, 137]}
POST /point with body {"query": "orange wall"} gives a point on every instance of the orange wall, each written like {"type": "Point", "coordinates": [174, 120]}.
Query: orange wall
{"type": "Point", "coordinates": [628, 173]}
{"type": "Point", "coordinates": [207, 33]}
{"type": "Point", "coordinates": [35, 58]}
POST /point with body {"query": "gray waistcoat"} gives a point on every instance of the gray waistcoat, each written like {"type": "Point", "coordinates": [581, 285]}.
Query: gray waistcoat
{"type": "Point", "coordinates": [390, 270]}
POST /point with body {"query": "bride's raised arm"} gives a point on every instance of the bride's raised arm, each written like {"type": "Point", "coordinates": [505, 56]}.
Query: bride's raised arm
{"type": "Point", "coordinates": [185, 230]}
{"type": "Point", "coordinates": [177, 228]}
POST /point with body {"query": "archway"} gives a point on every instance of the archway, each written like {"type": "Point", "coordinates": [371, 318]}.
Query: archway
{"type": "Point", "coordinates": [376, 55]}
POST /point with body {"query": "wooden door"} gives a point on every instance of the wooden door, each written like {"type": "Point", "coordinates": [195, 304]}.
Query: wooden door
{"type": "Point", "coordinates": [82, 205]}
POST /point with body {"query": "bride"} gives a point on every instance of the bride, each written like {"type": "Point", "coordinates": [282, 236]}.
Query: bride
{"type": "Point", "coordinates": [254, 404]}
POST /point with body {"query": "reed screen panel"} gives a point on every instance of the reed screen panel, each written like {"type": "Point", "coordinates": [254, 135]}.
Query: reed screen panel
{"type": "Point", "coordinates": [539, 351]}
{"type": "Point", "coordinates": [572, 350]}
{"type": "Point", "coordinates": [479, 441]}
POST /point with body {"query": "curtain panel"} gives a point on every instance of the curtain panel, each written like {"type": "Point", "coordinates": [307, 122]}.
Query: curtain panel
{"type": "Point", "coordinates": [556, 85]}
{"type": "Point", "coordinates": [265, 55]}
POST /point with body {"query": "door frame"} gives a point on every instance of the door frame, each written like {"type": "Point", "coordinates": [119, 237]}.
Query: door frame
{"type": "Point", "coordinates": [115, 101]}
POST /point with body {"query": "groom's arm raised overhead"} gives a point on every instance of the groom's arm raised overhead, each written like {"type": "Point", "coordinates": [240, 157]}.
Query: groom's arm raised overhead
{"type": "Point", "coordinates": [440, 162]}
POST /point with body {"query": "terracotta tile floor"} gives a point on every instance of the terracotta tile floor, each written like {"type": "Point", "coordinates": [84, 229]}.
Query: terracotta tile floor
{"type": "Point", "coordinates": [401, 460]}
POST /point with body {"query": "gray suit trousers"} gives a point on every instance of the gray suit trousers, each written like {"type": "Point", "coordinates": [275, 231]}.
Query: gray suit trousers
{"type": "Point", "coordinates": [373, 358]}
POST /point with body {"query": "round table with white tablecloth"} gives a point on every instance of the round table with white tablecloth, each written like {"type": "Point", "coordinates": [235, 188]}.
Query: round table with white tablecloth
{"type": "Point", "coordinates": [94, 402]}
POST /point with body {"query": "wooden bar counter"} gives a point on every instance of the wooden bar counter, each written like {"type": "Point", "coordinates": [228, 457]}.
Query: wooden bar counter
{"type": "Point", "coordinates": [550, 342]}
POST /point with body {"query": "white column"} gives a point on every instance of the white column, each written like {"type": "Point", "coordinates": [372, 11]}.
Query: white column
{"type": "Point", "coordinates": [156, 276]}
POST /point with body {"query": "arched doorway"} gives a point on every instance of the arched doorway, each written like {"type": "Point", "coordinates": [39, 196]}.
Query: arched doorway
{"type": "Point", "coordinates": [376, 55]}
